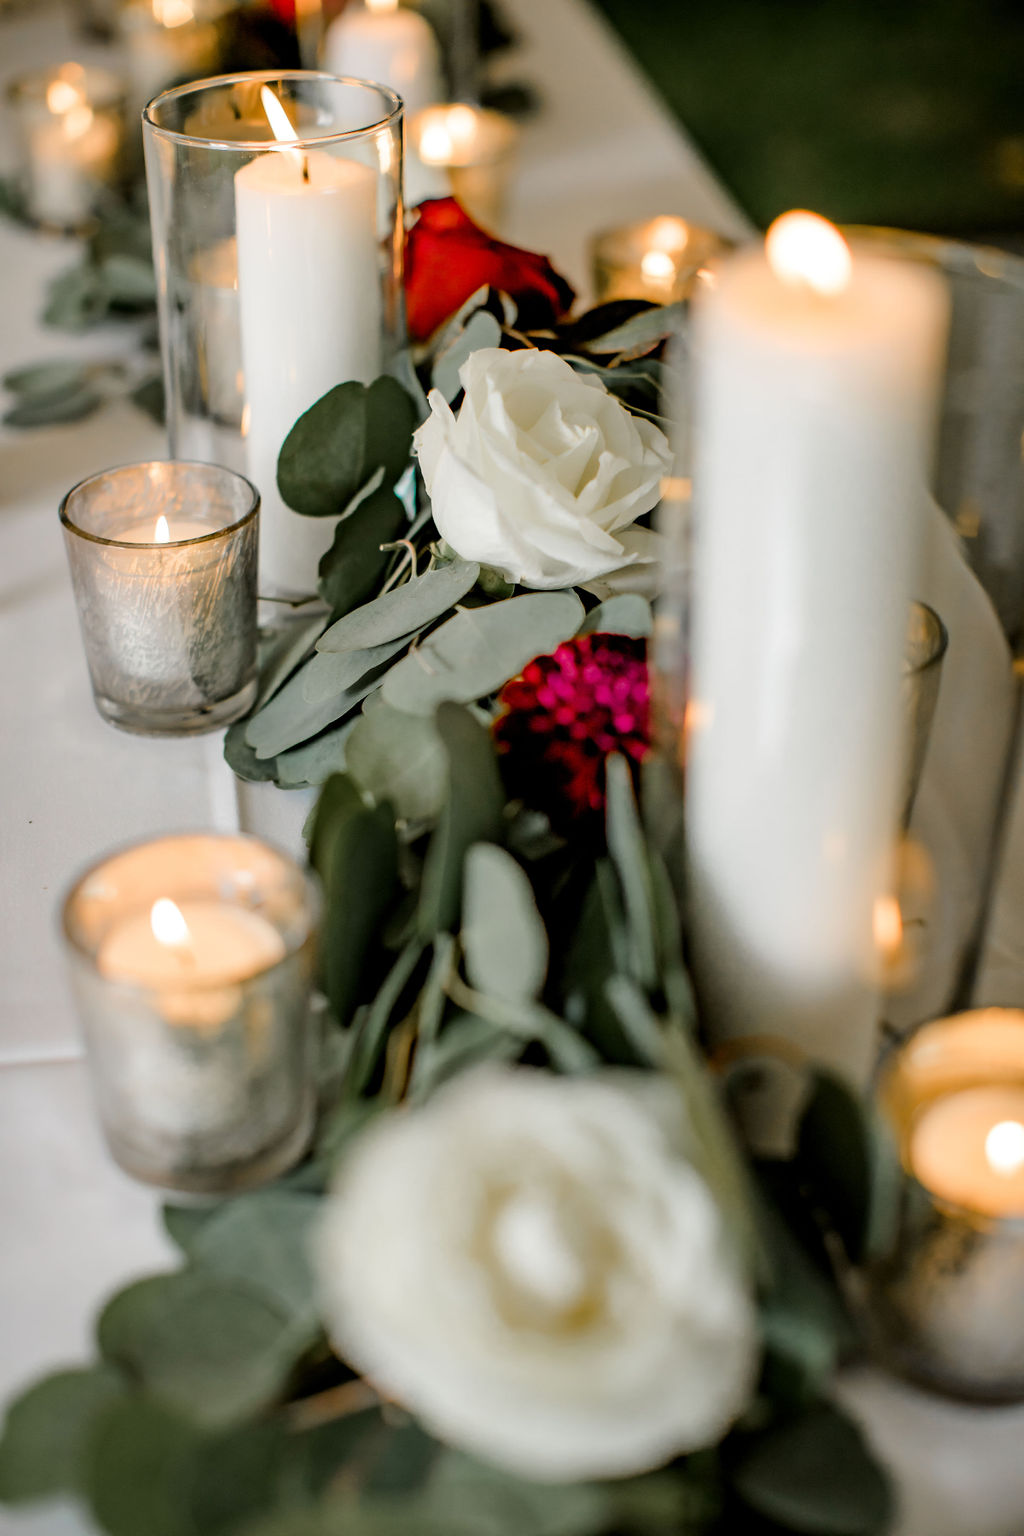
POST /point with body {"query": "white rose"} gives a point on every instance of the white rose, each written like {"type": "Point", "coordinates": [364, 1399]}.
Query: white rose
{"type": "Point", "coordinates": [531, 1266]}
{"type": "Point", "coordinates": [542, 472]}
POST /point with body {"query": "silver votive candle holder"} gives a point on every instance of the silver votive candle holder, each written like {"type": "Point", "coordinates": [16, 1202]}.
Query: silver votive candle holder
{"type": "Point", "coordinates": [191, 961]}
{"type": "Point", "coordinates": [69, 126]}
{"type": "Point", "coordinates": [944, 1295]}
{"type": "Point", "coordinates": [163, 559]}
{"type": "Point", "coordinates": [462, 151]}
{"type": "Point", "coordinates": [659, 259]}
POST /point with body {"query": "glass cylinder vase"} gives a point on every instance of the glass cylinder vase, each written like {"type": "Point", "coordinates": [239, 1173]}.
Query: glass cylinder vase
{"type": "Point", "coordinates": [276, 207]}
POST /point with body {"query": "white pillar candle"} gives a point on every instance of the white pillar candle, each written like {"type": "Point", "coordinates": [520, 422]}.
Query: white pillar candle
{"type": "Point", "coordinates": [165, 42]}
{"type": "Point", "coordinates": [394, 47]}
{"type": "Point", "coordinates": [815, 385]}
{"type": "Point", "coordinates": [310, 309]}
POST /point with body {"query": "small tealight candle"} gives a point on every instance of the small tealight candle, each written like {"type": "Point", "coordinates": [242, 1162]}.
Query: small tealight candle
{"type": "Point", "coordinates": [163, 563]}
{"type": "Point", "coordinates": [379, 40]}
{"type": "Point", "coordinates": [660, 259]}
{"type": "Point", "coordinates": [71, 134]}
{"type": "Point", "coordinates": [946, 1295]}
{"type": "Point", "coordinates": [195, 1007]}
{"type": "Point", "coordinates": [167, 41]}
{"type": "Point", "coordinates": [465, 152]}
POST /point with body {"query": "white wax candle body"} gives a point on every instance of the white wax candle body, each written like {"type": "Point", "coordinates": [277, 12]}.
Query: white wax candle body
{"type": "Point", "coordinates": [310, 310]}
{"type": "Point", "coordinates": [951, 1155]}
{"type": "Point", "coordinates": [159, 56]}
{"type": "Point", "coordinates": [814, 414]}
{"type": "Point", "coordinates": [395, 48]}
{"type": "Point", "coordinates": [67, 169]}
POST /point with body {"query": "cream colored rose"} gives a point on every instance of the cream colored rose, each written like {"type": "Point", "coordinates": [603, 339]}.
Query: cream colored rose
{"type": "Point", "coordinates": [543, 472]}
{"type": "Point", "coordinates": [532, 1266]}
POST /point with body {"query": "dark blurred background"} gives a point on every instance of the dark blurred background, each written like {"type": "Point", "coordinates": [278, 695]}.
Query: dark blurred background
{"type": "Point", "coordinates": [903, 112]}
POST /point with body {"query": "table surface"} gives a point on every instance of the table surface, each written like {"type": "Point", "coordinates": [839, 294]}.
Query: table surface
{"type": "Point", "coordinates": [602, 151]}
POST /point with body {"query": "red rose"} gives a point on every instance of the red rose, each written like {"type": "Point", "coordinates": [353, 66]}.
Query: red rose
{"type": "Point", "coordinates": [448, 257]}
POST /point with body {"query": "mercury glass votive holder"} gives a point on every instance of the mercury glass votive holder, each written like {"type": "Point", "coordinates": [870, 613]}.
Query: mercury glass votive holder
{"type": "Point", "coordinates": [944, 1295]}
{"type": "Point", "coordinates": [163, 562]}
{"type": "Point", "coordinates": [191, 962]}
{"type": "Point", "coordinates": [659, 259]}
{"type": "Point", "coordinates": [69, 128]}
{"type": "Point", "coordinates": [465, 152]}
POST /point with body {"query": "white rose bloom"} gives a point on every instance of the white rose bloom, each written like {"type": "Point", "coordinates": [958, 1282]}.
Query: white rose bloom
{"type": "Point", "coordinates": [531, 1265]}
{"type": "Point", "coordinates": [542, 472]}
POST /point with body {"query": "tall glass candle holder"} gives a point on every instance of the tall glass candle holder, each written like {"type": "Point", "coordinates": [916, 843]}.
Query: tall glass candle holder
{"type": "Point", "coordinates": [70, 130]}
{"type": "Point", "coordinates": [277, 232]}
{"type": "Point", "coordinates": [191, 960]}
{"type": "Point", "coordinates": [163, 563]}
{"type": "Point", "coordinates": [945, 1298]}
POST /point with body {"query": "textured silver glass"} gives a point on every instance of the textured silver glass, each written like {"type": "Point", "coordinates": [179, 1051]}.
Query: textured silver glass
{"type": "Point", "coordinates": [945, 1296]}
{"type": "Point", "coordinates": [201, 1085]}
{"type": "Point", "coordinates": [169, 625]}
{"type": "Point", "coordinates": [979, 475]}
{"type": "Point", "coordinates": [70, 141]}
{"type": "Point", "coordinates": [658, 259]}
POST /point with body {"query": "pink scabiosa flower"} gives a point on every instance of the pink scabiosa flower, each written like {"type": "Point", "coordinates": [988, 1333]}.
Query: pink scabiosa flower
{"type": "Point", "coordinates": [565, 715]}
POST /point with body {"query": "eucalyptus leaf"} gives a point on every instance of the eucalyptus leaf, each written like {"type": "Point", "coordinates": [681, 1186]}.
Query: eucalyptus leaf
{"type": "Point", "coordinates": [46, 379]}
{"type": "Point", "coordinates": [481, 330]}
{"type": "Point", "coordinates": [627, 613]}
{"type": "Point", "coordinates": [341, 441]}
{"type": "Point", "coordinates": [472, 814]}
{"type": "Point", "coordinates": [398, 757]}
{"type": "Point", "coordinates": [834, 1153]}
{"type": "Point", "coordinates": [466, 1041]}
{"type": "Point", "coordinates": [317, 760]}
{"type": "Point", "coordinates": [46, 1433]}
{"type": "Point", "coordinates": [241, 758]}
{"type": "Point", "coordinates": [262, 1239]}
{"type": "Point", "coordinates": [211, 1348]}
{"type": "Point", "coordinates": [138, 1470]}
{"type": "Point", "coordinates": [499, 1503]}
{"type": "Point", "coordinates": [597, 948]}
{"type": "Point", "coordinates": [129, 281]}
{"type": "Point", "coordinates": [371, 1035]}
{"type": "Point", "coordinates": [361, 881]}
{"type": "Point", "coordinates": [287, 649]}
{"type": "Point", "coordinates": [149, 397]}
{"type": "Point", "coordinates": [403, 611]}
{"type": "Point", "coordinates": [815, 1474]}
{"type": "Point", "coordinates": [328, 673]}
{"type": "Point", "coordinates": [503, 934]}
{"type": "Point", "coordinates": [338, 800]}
{"type": "Point", "coordinates": [478, 650]}
{"type": "Point", "coordinates": [628, 848]}
{"type": "Point", "coordinates": [643, 331]}
{"type": "Point", "coordinates": [351, 570]}
{"type": "Point", "coordinates": [290, 717]}
{"type": "Point", "coordinates": [45, 411]}
{"type": "Point", "coordinates": [76, 299]}
{"type": "Point", "coordinates": [182, 1223]}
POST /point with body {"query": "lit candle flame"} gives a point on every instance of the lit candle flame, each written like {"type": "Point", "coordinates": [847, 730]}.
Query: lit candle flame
{"type": "Point", "coordinates": [658, 267]}
{"type": "Point", "coordinates": [887, 923]}
{"type": "Point", "coordinates": [381, 7]}
{"type": "Point", "coordinates": [163, 532]}
{"type": "Point", "coordinates": [1004, 1147]}
{"type": "Point", "coordinates": [173, 13]}
{"type": "Point", "coordinates": [669, 234]}
{"type": "Point", "coordinates": [168, 925]}
{"type": "Point", "coordinates": [76, 123]}
{"type": "Point", "coordinates": [62, 96]}
{"type": "Point", "coordinates": [282, 127]}
{"type": "Point", "coordinates": [446, 132]}
{"type": "Point", "coordinates": [806, 251]}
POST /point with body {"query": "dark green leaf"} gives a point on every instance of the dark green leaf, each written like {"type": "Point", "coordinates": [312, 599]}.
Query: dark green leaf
{"type": "Point", "coordinates": [49, 411]}
{"type": "Point", "coordinates": [597, 947]}
{"type": "Point", "coordinates": [351, 570]}
{"type": "Point", "coordinates": [138, 1471]}
{"type": "Point", "coordinates": [46, 1433]}
{"type": "Point", "coordinates": [47, 379]}
{"type": "Point", "coordinates": [478, 650]}
{"type": "Point", "coordinates": [403, 611]}
{"type": "Point", "coordinates": [212, 1349]}
{"type": "Point", "coordinates": [370, 1035]}
{"type": "Point", "coordinates": [834, 1152]}
{"type": "Point", "coordinates": [628, 848]}
{"type": "Point", "coordinates": [815, 1474]}
{"type": "Point", "coordinates": [361, 879]}
{"type": "Point", "coordinates": [341, 441]}
{"type": "Point", "coordinates": [497, 1503]}
{"type": "Point", "coordinates": [183, 1223]}
{"type": "Point", "coordinates": [398, 757]}
{"type": "Point", "coordinates": [338, 800]}
{"type": "Point", "coordinates": [503, 934]}
{"type": "Point", "coordinates": [149, 397]}
{"type": "Point", "coordinates": [472, 814]}
{"type": "Point", "coordinates": [238, 1476]}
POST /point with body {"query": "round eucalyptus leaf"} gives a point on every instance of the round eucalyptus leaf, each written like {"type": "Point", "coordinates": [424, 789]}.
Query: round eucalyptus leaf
{"type": "Point", "coordinates": [401, 612]}
{"type": "Point", "coordinates": [503, 934]}
{"type": "Point", "coordinates": [137, 1476]}
{"type": "Point", "coordinates": [399, 757]}
{"type": "Point", "coordinates": [46, 1433]}
{"type": "Point", "coordinates": [341, 441]}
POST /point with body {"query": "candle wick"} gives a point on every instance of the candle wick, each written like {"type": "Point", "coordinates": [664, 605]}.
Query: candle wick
{"type": "Point", "coordinates": [305, 169]}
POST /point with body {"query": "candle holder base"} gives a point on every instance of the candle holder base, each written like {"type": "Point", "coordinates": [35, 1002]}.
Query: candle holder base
{"type": "Point", "coordinates": [197, 720]}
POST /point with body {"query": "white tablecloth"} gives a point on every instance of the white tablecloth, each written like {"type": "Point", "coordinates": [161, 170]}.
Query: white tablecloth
{"type": "Point", "coordinates": [602, 151]}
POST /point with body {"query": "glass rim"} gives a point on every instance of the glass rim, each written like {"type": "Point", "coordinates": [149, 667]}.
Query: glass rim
{"type": "Point", "coordinates": [390, 99]}
{"type": "Point", "coordinates": [199, 538]}
{"type": "Point", "coordinates": [306, 880]}
{"type": "Point", "coordinates": [949, 254]}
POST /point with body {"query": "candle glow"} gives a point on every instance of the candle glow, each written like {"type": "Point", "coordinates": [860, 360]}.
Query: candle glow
{"type": "Point", "coordinates": [168, 924]}
{"type": "Point", "coordinates": [1004, 1147]}
{"type": "Point", "coordinates": [806, 251]}
{"type": "Point", "coordinates": [173, 13]}
{"type": "Point", "coordinates": [381, 7]}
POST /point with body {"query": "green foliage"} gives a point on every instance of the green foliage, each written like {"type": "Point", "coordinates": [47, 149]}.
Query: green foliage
{"type": "Point", "coordinates": [815, 1474]}
{"type": "Point", "coordinates": [472, 813]}
{"type": "Point", "coordinates": [352, 433]}
{"type": "Point", "coordinates": [503, 934]}
{"type": "Point", "coordinates": [400, 758]}
{"type": "Point", "coordinates": [403, 611]}
{"type": "Point", "coordinates": [351, 570]}
{"type": "Point", "coordinates": [43, 1451]}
